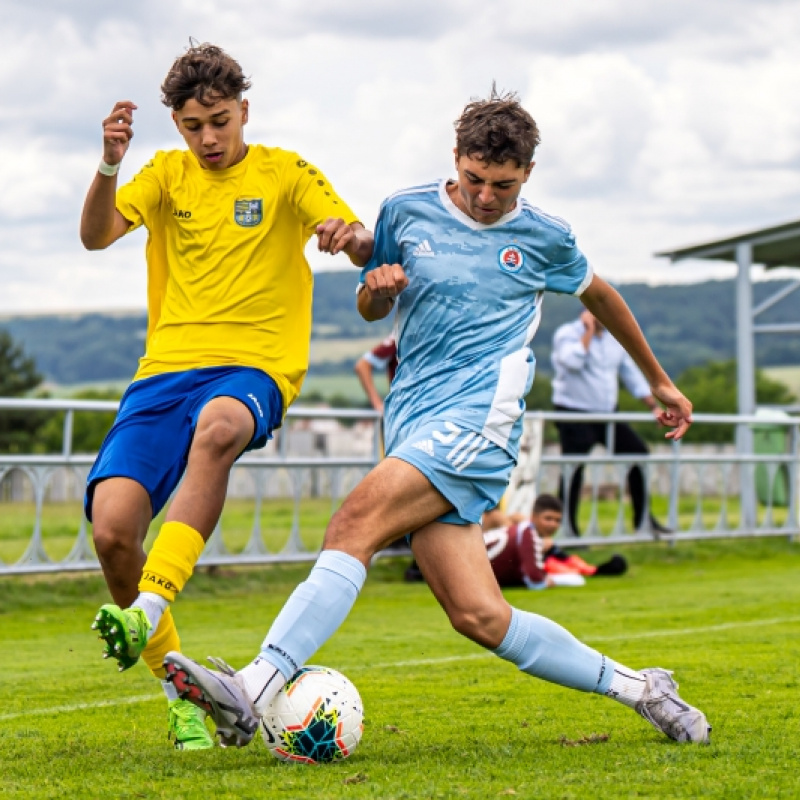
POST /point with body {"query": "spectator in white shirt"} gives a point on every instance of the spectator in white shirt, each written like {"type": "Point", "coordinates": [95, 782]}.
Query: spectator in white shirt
{"type": "Point", "coordinates": [589, 363]}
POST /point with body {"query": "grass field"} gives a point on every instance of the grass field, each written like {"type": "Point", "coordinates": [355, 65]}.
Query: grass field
{"type": "Point", "coordinates": [790, 376]}
{"type": "Point", "coordinates": [61, 521]}
{"type": "Point", "coordinates": [444, 719]}
{"type": "Point", "coordinates": [339, 385]}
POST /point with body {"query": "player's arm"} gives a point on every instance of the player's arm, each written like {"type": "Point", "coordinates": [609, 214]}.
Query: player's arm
{"type": "Point", "coordinates": [607, 305]}
{"type": "Point", "coordinates": [377, 294]}
{"type": "Point", "coordinates": [636, 384]}
{"type": "Point", "coordinates": [365, 373]}
{"type": "Point", "coordinates": [533, 575]}
{"type": "Point", "coordinates": [316, 202]}
{"type": "Point", "coordinates": [336, 236]}
{"type": "Point", "coordinates": [101, 222]}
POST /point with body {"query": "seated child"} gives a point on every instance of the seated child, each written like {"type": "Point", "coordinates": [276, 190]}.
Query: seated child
{"type": "Point", "coordinates": [523, 553]}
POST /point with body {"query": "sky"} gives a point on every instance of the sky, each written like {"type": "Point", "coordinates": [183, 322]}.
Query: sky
{"type": "Point", "coordinates": [663, 124]}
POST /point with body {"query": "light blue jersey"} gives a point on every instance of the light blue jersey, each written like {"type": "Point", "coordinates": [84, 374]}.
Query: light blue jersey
{"type": "Point", "coordinates": [473, 303]}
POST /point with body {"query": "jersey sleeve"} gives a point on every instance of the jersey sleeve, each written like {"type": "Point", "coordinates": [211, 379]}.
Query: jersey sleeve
{"type": "Point", "coordinates": [386, 249]}
{"type": "Point", "coordinates": [139, 199]}
{"type": "Point", "coordinates": [311, 195]}
{"type": "Point", "coordinates": [568, 271]}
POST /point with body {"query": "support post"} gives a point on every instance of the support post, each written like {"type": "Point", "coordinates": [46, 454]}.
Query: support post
{"type": "Point", "coordinates": [746, 381]}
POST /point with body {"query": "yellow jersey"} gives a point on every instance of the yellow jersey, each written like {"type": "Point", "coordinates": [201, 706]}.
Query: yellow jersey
{"type": "Point", "coordinates": [228, 283]}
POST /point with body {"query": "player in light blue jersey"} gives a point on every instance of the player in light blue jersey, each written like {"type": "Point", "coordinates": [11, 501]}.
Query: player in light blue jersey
{"type": "Point", "coordinates": [466, 261]}
{"type": "Point", "coordinates": [470, 311]}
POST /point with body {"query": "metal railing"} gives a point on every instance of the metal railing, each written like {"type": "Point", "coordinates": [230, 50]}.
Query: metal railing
{"type": "Point", "coordinates": [711, 492]}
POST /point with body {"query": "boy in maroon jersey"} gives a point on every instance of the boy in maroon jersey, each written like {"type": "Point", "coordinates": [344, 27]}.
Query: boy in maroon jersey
{"type": "Point", "coordinates": [523, 553]}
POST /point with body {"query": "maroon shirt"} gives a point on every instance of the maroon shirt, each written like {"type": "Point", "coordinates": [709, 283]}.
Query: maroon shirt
{"type": "Point", "coordinates": [386, 355]}
{"type": "Point", "coordinates": [516, 555]}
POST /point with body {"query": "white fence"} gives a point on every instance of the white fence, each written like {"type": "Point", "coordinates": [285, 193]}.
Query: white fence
{"type": "Point", "coordinates": [706, 491]}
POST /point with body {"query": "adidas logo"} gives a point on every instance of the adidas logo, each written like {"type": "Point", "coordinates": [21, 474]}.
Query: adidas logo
{"type": "Point", "coordinates": [423, 250]}
{"type": "Point", "coordinates": [426, 445]}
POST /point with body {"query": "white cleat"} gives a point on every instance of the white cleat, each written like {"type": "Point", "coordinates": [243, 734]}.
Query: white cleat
{"type": "Point", "coordinates": [219, 694]}
{"type": "Point", "coordinates": [666, 712]}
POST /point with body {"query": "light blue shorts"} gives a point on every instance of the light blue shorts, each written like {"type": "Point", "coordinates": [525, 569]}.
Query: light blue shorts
{"type": "Point", "coordinates": [465, 467]}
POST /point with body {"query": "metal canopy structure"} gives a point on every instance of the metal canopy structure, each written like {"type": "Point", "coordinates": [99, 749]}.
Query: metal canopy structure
{"type": "Point", "coordinates": [777, 246]}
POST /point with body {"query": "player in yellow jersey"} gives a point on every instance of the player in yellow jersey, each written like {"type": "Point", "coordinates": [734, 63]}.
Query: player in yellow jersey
{"type": "Point", "coordinates": [229, 320]}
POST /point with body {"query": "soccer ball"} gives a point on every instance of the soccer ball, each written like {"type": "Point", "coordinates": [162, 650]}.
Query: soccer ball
{"type": "Point", "coordinates": [317, 717]}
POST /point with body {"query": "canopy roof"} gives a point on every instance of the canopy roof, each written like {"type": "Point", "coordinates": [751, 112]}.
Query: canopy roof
{"type": "Point", "coordinates": [778, 246]}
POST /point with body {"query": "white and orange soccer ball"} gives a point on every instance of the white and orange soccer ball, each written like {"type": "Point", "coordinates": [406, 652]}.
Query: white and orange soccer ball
{"type": "Point", "coordinates": [317, 717]}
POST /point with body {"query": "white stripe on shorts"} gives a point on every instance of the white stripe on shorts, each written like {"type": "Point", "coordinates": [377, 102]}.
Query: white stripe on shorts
{"type": "Point", "coordinates": [478, 446]}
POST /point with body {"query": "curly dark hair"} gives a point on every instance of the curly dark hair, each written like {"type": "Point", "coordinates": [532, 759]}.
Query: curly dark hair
{"type": "Point", "coordinates": [497, 130]}
{"type": "Point", "coordinates": [205, 73]}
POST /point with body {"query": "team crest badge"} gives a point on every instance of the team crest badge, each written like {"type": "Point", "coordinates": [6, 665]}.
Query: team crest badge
{"type": "Point", "coordinates": [248, 211]}
{"type": "Point", "coordinates": [511, 258]}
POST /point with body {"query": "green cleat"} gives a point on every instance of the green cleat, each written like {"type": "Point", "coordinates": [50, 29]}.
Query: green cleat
{"type": "Point", "coordinates": [125, 632]}
{"type": "Point", "coordinates": [187, 727]}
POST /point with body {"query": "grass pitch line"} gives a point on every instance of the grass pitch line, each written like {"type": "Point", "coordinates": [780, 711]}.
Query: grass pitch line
{"type": "Point", "coordinates": [122, 701]}
{"type": "Point", "coordinates": [426, 662]}
{"type": "Point", "coordinates": [724, 626]}
{"type": "Point", "coordinates": [421, 662]}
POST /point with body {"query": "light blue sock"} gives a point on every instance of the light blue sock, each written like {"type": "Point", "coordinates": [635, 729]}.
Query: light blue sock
{"type": "Point", "coordinates": [316, 608]}
{"type": "Point", "coordinates": [544, 649]}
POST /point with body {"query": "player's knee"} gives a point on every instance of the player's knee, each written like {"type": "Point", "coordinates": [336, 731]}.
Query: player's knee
{"type": "Point", "coordinates": [111, 540]}
{"type": "Point", "coordinates": [219, 438]}
{"type": "Point", "coordinates": [481, 623]}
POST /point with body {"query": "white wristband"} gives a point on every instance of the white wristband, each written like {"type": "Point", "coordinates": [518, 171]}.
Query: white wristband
{"type": "Point", "coordinates": [108, 169]}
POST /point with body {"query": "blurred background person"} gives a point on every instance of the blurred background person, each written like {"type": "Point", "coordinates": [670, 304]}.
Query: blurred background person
{"type": "Point", "coordinates": [588, 364]}
{"type": "Point", "coordinates": [382, 357]}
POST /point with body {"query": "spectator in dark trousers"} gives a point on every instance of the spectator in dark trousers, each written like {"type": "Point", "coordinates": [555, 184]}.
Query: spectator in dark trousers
{"type": "Point", "coordinates": [589, 363]}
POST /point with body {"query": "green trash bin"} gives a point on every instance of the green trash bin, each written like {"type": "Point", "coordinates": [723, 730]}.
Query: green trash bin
{"type": "Point", "coordinates": [769, 439]}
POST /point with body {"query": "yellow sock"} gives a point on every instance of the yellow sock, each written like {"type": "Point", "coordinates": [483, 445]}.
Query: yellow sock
{"type": "Point", "coordinates": [171, 560]}
{"type": "Point", "coordinates": [160, 643]}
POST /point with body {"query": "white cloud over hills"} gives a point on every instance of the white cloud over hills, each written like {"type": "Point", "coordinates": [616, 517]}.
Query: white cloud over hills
{"type": "Point", "coordinates": [663, 123]}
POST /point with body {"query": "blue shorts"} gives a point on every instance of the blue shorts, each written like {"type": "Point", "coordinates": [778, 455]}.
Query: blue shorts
{"type": "Point", "coordinates": [150, 439]}
{"type": "Point", "coordinates": [465, 467]}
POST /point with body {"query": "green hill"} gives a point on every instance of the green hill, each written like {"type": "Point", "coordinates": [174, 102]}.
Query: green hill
{"type": "Point", "coordinates": [686, 325]}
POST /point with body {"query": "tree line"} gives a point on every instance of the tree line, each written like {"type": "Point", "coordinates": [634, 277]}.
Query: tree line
{"type": "Point", "coordinates": [687, 325]}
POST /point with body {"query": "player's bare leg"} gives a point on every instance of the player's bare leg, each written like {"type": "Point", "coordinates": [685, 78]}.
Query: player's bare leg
{"type": "Point", "coordinates": [394, 499]}
{"type": "Point", "coordinates": [121, 515]}
{"type": "Point", "coordinates": [224, 429]}
{"type": "Point", "coordinates": [456, 567]}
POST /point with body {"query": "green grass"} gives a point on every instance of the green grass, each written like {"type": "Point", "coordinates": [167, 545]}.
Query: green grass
{"type": "Point", "coordinates": [340, 385]}
{"type": "Point", "coordinates": [61, 522]}
{"type": "Point", "coordinates": [337, 350]}
{"type": "Point", "coordinates": [443, 718]}
{"type": "Point", "coordinates": [790, 376]}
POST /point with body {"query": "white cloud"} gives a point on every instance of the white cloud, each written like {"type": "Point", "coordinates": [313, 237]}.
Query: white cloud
{"type": "Point", "coordinates": [663, 123]}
